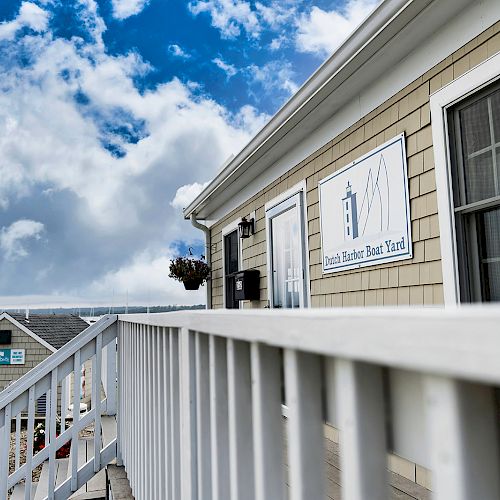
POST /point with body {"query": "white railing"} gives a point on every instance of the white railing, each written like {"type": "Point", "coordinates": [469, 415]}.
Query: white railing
{"type": "Point", "coordinates": [200, 393]}
{"type": "Point", "coordinates": [57, 377]}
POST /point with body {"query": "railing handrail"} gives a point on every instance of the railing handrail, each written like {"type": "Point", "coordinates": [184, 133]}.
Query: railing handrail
{"type": "Point", "coordinates": [22, 384]}
{"type": "Point", "coordinates": [443, 341]}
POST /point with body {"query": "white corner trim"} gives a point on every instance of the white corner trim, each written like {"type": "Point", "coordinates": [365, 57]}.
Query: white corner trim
{"type": "Point", "coordinates": [27, 331]}
{"type": "Point", "coordinates": [470, 82]}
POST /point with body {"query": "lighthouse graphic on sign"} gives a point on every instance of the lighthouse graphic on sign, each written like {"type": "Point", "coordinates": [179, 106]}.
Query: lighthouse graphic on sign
{"type": "Point", "coordinates": [350, 214]}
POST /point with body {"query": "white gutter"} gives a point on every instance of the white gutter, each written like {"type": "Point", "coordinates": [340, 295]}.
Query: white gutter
{"type": "Point", "coordinates": [315, 89]}
{"type": "Point", "coordinates": [208, 255]}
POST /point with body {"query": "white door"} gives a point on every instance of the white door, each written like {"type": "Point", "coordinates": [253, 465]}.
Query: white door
{"type": "Point", "coordinates": [287, 258]}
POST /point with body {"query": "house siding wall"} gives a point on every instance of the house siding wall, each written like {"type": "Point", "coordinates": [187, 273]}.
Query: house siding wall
{"type": "Point", "coordinates": [412, 282]}
{"type": "Point", "coordinates": [35, 354]}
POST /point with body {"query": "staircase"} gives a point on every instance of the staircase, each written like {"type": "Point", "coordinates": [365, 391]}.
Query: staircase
{"type": "Point", "coordinates": [82, 475]}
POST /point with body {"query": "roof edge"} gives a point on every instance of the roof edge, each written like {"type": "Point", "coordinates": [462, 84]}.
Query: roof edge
{"type": "Point", "coordinates": [26, 330]}
{"type": "Point", "coordinates": [343, 56]}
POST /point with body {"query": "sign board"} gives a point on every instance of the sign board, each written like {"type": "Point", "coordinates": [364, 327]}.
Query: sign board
{"type": "Point", "coordinates": [11, 356]}
{"type": "Point", "coordinates": [365, 210]}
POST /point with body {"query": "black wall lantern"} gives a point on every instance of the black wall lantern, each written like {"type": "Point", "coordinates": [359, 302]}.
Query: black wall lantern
{"type": "Point", "coordinates": [246, 228]}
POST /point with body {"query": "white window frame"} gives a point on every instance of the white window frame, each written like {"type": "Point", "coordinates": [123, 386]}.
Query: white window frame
{"type": "Point", "coordinates": [463, 87]}
{"type": "Point", "coordinates": [299, 188]}
{"type": "Point", "coordinates": [233, 226]}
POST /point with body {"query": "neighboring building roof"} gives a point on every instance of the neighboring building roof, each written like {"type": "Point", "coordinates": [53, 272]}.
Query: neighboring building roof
{"type": "Point", "coordinates": [382, 40]}
{"type": "Point", "coordinates": [55, 329]}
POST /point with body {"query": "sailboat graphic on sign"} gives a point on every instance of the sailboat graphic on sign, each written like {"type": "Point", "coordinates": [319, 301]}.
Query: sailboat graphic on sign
{"type": "Point", "coordinates": [373, 215]}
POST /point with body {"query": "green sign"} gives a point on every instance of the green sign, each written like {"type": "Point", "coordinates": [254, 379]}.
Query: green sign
{"type": "Point", "coordinates": [11, 356]}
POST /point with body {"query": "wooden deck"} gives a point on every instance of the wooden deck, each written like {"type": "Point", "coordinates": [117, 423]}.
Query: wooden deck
{"type": "Point", "coordinates": [400, 488]}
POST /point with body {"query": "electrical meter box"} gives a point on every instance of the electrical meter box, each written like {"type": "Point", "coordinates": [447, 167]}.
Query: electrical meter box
{"type": "Point", "coordinates": [246, 285]}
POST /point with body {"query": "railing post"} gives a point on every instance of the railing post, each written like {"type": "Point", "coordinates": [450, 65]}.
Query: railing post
{"type": "Point", "coordinates": [463, 439]}
{"type": "Point", "coordinates": [188, 416]}
{"type": "Point", "coordinates": [4, 451]}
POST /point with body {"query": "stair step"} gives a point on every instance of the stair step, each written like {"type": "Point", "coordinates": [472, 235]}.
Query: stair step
{"type": "Point", "coordinates": [43, 483]}
{"type": "Point", "coordinates": [108, 425]}
{"type": "Point", "coordinates": [20, 488]}
{"type": "Point", "coordinates": [98, 495]}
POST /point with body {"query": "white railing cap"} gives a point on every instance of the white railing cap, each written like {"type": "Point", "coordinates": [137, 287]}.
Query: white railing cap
{"type": "Point", "coordinates": [462, 342]}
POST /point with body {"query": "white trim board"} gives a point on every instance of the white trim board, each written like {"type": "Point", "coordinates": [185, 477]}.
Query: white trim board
{"type": "Point", "coordinates": [27, 331]}
{"type": "Point", "coordinates": [467, 84]}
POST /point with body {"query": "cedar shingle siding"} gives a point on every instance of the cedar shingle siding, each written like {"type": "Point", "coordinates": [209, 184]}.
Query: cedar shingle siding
{"type": "Point", "coordinates": [415, 281]}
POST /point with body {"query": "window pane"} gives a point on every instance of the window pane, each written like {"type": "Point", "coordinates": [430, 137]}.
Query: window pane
{"type": "Point", "coordinates": [475, 125]}
{"type": "Point", "coordinates": [286, 253]}
{"type": "Point", "coordinates": [479, 177]}
{"type": "Point", "coordinates": [495, 109]}
{"type": "Point", "coordinates": [231, 252]}
{"type": "Point", "coordinates": [489, 236]}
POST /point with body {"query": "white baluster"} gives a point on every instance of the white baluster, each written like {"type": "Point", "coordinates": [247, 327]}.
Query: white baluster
{"type": "Point", "coordinates": [203, 417]}
{"type": "Point", "coordinates": [219, 418]}
{"type": "Point", "coordinates": [267, 423]}
{"type": "Point", "coordinates": [462, 427]}
{"type": "Point", "coordinates": [17, 459]}
{"type": "Point", "coordinates": [305, 425]}
{"type": "Point", "coordinates": [360, 400]}
{"type": "Point", "coordinates": [51, 431]}
{"type": "Point", "coordinates": [96, 400]}
{"type": "Point", "coordinates": [175, 458]}
{"type": "Point", "coordinates": [77, 370]}
{"type": "Point", "coordinates": [188, 411]}
{"type": "Point", "coordinates": [29, 441]}
{"type": "Point", "coordinates": [239, 385]}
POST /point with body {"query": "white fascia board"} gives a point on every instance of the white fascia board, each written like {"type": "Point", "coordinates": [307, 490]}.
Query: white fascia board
{"type": "Point", "coordinates": [27, 331]}
{"type": "Point", "coordinates": [416, 47]}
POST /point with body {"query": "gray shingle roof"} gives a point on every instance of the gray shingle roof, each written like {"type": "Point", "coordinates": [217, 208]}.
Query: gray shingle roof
{"type": "Point", "coordinates": [56, 329]}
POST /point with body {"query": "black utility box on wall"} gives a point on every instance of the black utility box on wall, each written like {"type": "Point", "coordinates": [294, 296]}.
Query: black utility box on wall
{"type": "Point", "coordinates": [246, 285]}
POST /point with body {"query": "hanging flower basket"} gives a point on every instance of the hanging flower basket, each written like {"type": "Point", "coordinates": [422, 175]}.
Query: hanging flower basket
{"type": "Point", "coordinates": [190, 271]}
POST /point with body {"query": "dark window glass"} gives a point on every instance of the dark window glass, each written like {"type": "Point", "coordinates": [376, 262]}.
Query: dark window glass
{"type": "Point", "coordinates": [476, 161]}
{"type": "Point", "coordinates": [231, 265]}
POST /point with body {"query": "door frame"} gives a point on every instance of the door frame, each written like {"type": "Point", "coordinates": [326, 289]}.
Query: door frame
{"type": "Point", "coordinates": [233, 226]}
{"type": "Point", "coordinates": [301, 190]}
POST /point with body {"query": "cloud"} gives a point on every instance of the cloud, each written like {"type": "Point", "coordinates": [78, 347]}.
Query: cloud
{"type": "Point", "coordinates": [274, 75]}
{"type": "Point", "coordinates": [104, 161]}
{"type": "Point", "coordinates": [13, 237]}
{"type": "Point", "coordinates": [186, 194]}
{"type": "Point", "coordinates": [123, 9]}
{"type": "Point", "coordinates": [30, 16]}
{"type": "Point", "coordinates": [321, 32]}
{"type": "Point", "coordinates": [230, 17]}
{"type": "Point", "coordinates": [178, 51]}
{"type": "Point", "coordinates": [229, 69]}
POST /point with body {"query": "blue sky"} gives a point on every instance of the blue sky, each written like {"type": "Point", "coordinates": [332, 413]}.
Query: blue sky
{"type": "Point", "coordinates": [114, 113]}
